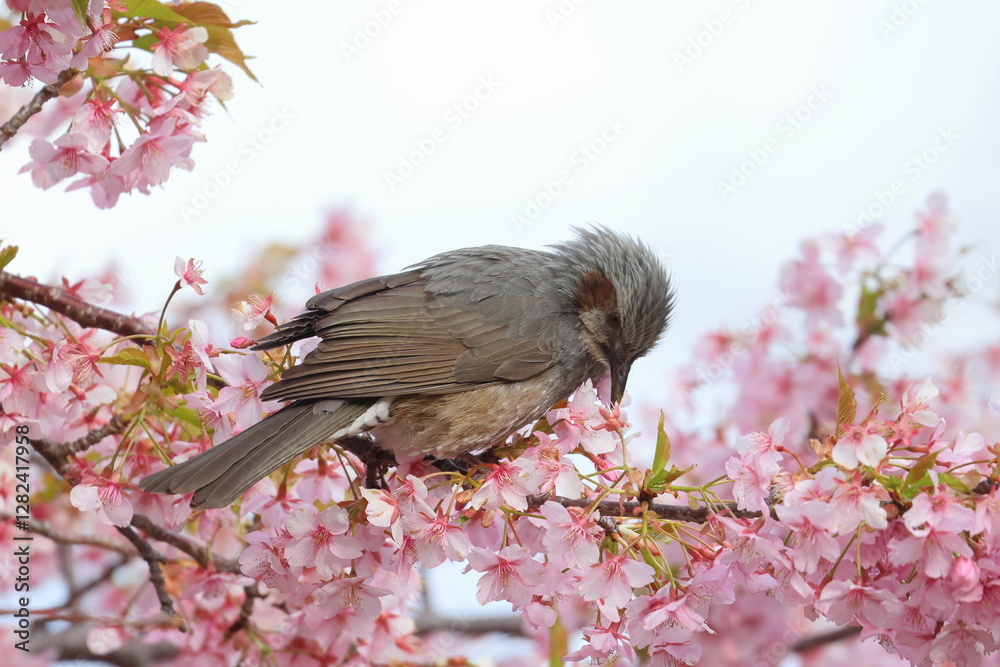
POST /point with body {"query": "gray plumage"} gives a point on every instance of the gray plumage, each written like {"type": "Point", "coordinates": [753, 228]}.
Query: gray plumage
{"type": "Point", "coordinates": [450, 356]}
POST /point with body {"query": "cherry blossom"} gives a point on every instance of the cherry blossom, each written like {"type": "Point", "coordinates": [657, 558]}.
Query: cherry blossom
{"type": "Point", "coordinates": [69, 155]}
{"type": "Point", "coordinates": [105, 496]}
{"type": "Point", "coordinates": [179, 47]}
{"type": "Point", "coordinates": [247, 377]}
{"type": "Point", "coordinates": [860, 445]}
{"type": "Point", "coordinates": [189, 273]}
{"type": "Point", "coordinates": [508, 575]}
{"type": "Point", "coordinates": [610, 582]}
{"type": "Point", "coordinates": [318, 540]}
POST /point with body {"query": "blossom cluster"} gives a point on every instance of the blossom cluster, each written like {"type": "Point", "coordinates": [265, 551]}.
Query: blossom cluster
{"type": "Point", "coordinates": [146, 62]}
{"type": "Point", "coordinates": [835, 489]}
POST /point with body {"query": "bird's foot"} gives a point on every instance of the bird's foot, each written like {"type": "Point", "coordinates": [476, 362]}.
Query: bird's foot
{"type": "Point", "coordinates": [465, 462]}
{"type": "Point", "coordinates": [376, 460]}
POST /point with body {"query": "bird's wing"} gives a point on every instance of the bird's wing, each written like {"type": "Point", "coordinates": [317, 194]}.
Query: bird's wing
{"type": "Point", "coordinates": [418, 332]}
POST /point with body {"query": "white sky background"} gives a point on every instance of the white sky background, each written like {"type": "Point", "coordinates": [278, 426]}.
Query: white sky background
{"type": "Point", "coordinates": [684, 131]}
{"type": "Point", "coordinates": [891, 91]}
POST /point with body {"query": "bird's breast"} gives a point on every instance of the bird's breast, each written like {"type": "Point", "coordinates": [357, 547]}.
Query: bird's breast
{"type": "Point", "coordinates": [449, 425]}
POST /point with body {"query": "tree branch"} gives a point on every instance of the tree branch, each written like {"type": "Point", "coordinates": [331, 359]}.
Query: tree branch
{"type": "Point", "coordinates": [153, 559]}
{"type": "Point", "coordinates": [114, 426]}
{"type": "Point", "coordinates": [71, 644]}
{"type": "Point", "coordinates": [191, 548]}
{"type": "Point", "coordinates": [10, 128]}
{"type": "Point", "coordinates": [45, 530]}
{"type": "Point", "coordinates": [668, 512]}
{"type": "Point", "coordinates": [815, 641]}
{"type": "Point", "coordinates": [76, 309]}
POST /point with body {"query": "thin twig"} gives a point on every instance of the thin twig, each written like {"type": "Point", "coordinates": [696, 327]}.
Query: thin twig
{"type": "Point", "coordinates": [191, 548]}
{"type": "Point", "coordinates": [45, 530]}
{"type": "Point", "coordinates": [153, 559]}
{"type": "Point", "coordinates": [815, 641]}
{"type": "Point", "coordinates": [10, 128]}
{"type": "Point", "coordinates": [78, 310]}
{"type": "Point", "coordinates": [114, 426]}
{"type": "Point", "coordinates": [79, 591]}
{"type": "Point", "coordinates": [668, 512]}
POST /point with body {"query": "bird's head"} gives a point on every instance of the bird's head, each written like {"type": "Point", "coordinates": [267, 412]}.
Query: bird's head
{"type": "Point", "coordinates": [622, 295]}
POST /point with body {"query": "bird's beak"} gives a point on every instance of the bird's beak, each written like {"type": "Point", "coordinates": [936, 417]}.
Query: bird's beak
{"type": "Point", "coordinates": [619, 376]}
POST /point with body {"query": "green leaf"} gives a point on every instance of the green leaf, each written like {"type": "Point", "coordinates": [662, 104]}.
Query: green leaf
{"type": "Point", "coordinates": [80, 9]}
{"type": "Point", "coordinates": [145, 42]}
{"type": "Point", "coordinates": [221, 41]}
{"type": "Point", "coordinates": [7, 254]}
{"type": "Point", "coordinates": [891, 483]}
{"type": "Point", "coordinates": [658, 482]}
{"type": "Point", "coordinates": [206, 14]}
{"type": "Point", "coordinates": [954, 482]}
{"type": "Point", "coordinates": [130, 356]}
{"type": "Point", "coordinates": [920, 469]}
{"type": "Point", "coordinates": [150, 9]}
{"type": "Point", "coordinates": [847, 404]}
{"type": "Point", "coordinates": [662, 454]}
{"type": "Point", "coordinates": [868, 319]}
{"type": "Point", "coordinates": [187, 416]}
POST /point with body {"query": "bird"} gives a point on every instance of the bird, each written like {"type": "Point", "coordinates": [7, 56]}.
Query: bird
{"type": "Point", "coordinates": [449, 356]}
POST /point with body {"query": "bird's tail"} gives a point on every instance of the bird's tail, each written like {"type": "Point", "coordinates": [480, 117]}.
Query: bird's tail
{"type": "Point", "coordinates": [222, 474]}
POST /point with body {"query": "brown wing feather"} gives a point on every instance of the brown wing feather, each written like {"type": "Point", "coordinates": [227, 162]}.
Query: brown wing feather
{"type": "Point", "coordinates": [386, 337]}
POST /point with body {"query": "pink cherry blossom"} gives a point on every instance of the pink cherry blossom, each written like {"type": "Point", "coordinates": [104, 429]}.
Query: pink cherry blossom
{"type": "Point", "coordinates": [105, 496]}
{"type": "Point", "coordinates": [939, 509]}
{"type": "Point", "coordinates": [809, 287]}
{"type": "Point", "coordinates": [914, 402]}
{"type": "Point", "coordinates": [179, 47]}
{"type": "Point", "coordinates": [44, 48]}
{"type": "Point", "coordinates": [610, 582]}
{"type": "Point", "coordinates": [150, 158]}
{"type": "Point", "coordinates": [933, 551]}
{"type": "Point", "coordinates": [554, 471]}
{"type": "Point", "coordinates": [577, 423]}
{"type": "Point", "coordinates": [854, 504]}
{"type": "Point", "coordinates": [856, 246]}
{"type": "Point", "coordinates": [69, 155]}
{"type": "Point", "coordinates": [960, 644]}
{"type": "Point", "coordinates": [437, 537]}
{"type": "Point", "coordinates": [94, 120]}
{"type": "Point", "coordinates": [320, 480]}
{"type": "Point", "coordinates": [353, 593]}
{"type": "Point", "coordinates": [812, 540]}
{"type": "Point", "coordinates": [189, 273]}
{"type": "Point", "coordinates": [508, 575]}
{"type": "Point", "coordinates": [860, 445]}
{"type": "Point", "coordinates": [249, 314]}
{"type": "Point", "coordinates": [246, 376]}
{"type": "Point", "coordinates": [504, 485]}
{"type": "Point", "coordinates": [264, 559]}
{"type": "Point", "coordinates": [571, 535]}
{"type": "Point", "coordinates": [318, 540]}
{"type": "Point", "coordinates": [604, 644]}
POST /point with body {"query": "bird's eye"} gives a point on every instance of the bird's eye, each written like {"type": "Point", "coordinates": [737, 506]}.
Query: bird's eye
{"type": "Point", "coordinates": [615, 320]}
